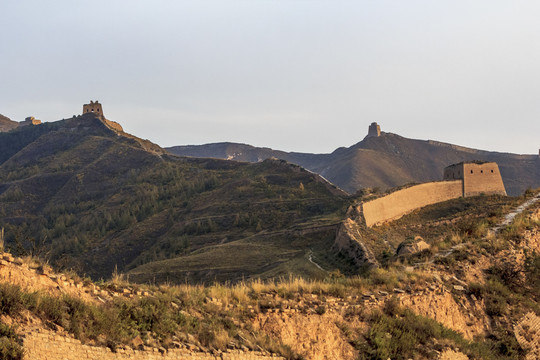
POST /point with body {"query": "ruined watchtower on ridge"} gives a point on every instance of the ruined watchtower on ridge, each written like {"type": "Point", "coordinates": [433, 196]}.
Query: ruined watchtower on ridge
{"type": "Point", "coordinates": [478, 177]}
{"type": "Point", "coordinates": [30, 120]}
{"type": "Point", "coordinates": [374, 130]}
{"type": "Point", "coordinates": [93, 107]}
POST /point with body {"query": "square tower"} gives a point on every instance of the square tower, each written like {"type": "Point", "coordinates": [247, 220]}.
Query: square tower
{"type": "Point", "coordinates": [478, 177]}
{"type": "Point", "coordinates": [374, 130]}
{"type": "Point", "coordinates": [93, 107]}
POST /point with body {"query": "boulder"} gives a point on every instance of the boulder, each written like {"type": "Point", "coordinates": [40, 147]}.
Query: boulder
{"type": "Point", "coordinates": [409, 247]}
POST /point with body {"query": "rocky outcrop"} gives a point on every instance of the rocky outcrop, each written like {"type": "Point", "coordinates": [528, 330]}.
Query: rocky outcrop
{"type": "Point", "coordinates": [453, 355]}
{"type": "Point", "coordinates": [349, 242]}
{"type": "Point", "coordinates": [467, 317]}
{"type": "Point", "coordinates": [31, 277]}
{"type": "Point", "coordinates": [315, 337]}
{"type": "Point", "coordinates": [409, 247]}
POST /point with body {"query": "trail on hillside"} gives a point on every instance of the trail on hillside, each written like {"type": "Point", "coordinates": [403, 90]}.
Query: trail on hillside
{"type": "Point", "coordinates": [310, 259]}
{"type": "Point", "coordinates": [511, 215]}
{"type": "Point", "coordinates": [507, 220]}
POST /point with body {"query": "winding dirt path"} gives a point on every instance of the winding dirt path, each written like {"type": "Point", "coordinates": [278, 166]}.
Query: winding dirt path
{"type": "Point", "coordinates": [310, 259]}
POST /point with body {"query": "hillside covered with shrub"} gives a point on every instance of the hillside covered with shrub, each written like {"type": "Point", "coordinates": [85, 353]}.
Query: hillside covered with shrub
{"type": "Point", "coordinates": [91, 198]}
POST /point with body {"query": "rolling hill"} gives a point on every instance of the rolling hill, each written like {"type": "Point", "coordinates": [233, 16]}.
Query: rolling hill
{"type": "Point", "coordinates": [88, 196]}
{"type": "Point", "coordinates": [383, 162]}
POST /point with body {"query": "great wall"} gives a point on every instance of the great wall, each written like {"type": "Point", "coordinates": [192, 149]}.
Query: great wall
{"type": "Point", "coordinates": [463, 179]}
{"type": "Point", "coordinates": [469, 178]}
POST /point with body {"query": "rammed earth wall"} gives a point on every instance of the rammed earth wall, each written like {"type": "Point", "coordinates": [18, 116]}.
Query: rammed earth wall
{"type": "Point", "coordinates": [51, 346]}
{"type": "Point", "coordinates": [401, 202]}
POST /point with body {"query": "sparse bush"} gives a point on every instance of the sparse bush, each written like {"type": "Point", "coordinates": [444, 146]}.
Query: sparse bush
{"type": "Point", "coordinates": [13, 300]}
{"type": "Point", "coordinates": [475, 229]}
{"type": "Point", "coordinates": [495, 296]}
{"type": "Point", "coordinates": [398, 333]}
{"type": "Point", "coordinates": [532, 272]}
{"type": "Point", "coordinates": [10, 344]}
{"type": "Point", "coordinates": [510, 273]}
{"type": "Point", "coordinates": [10, 349]}
{"type": "Point", "coordinates": [388, 278]}
{"type": "Point", "coordinates": [320, 310]}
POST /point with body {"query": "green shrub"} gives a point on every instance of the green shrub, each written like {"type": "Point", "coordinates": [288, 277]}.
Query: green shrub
{"type": "Point", "coordinates": [532, 272]}
{"type": "Point", "coordinates": [475, 229]}
{"type": "Point", "coordinates": [495, 295]}
{"type": "Point", "coordinates": [10, 344]}
{"type": "Point", "coordinates": [13, 300]}
{"type": "Point", "coordinates": [398, 333]}
{"type": "Point", "coordinates": [10, 349]}
{"type": "Point", "coordinates": [320, 310]}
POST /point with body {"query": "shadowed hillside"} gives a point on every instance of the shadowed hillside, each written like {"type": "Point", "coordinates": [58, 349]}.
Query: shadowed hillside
{"type": "Point", "coordinates": [90, 197]}
{"type": "Point", "coordinates": [384, 162]}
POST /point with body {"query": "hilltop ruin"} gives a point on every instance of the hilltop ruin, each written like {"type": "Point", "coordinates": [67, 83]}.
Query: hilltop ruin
{"type": "Point", "coordinates": [94, 107]}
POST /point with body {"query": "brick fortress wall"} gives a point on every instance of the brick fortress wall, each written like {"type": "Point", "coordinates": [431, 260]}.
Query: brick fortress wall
{"type": "Point", "coordinates": [478, 178]}
{"type": "Point", "coordinates": [463, 179]}
{"type": "Point", "coordinates": [401, 202]}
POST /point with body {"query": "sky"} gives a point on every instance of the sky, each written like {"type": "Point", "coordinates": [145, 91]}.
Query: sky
{"type": "Point", "coordinates": [294, 75]}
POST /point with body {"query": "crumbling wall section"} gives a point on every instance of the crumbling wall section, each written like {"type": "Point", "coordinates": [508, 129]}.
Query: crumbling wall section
{"type": "Point", "coordinates": [44, 344]}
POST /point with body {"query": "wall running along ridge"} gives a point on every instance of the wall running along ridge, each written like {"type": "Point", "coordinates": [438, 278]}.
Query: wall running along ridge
{"type": "Point", "coordinates": [401, 202]}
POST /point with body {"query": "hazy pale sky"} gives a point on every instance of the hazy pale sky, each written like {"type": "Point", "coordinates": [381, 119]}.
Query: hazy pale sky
{"type": "Point", "coordinates": [298, 75]}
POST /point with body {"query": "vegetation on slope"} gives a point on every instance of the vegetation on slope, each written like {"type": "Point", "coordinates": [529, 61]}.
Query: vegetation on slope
{"type": "Point", "coordinates": [219, 317]}
{"type": "Point", "coordinates": [223, 316]}
{"type": "Point", "coordinates": [85, 198]}
{"type": "Point", "coordinates": [442, 226]}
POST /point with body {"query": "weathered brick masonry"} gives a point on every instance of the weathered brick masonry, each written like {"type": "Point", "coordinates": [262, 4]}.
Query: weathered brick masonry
{"type": "Point", "coordinates": [463, 179]}
{"type": "Point", "coordinates": [51, 346]}
{"type": "Point", "coordinates": [404, 201]}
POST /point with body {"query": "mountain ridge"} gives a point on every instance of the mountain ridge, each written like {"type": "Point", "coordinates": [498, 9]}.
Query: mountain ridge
{"type": "Point", "coordinates": [384, 162]}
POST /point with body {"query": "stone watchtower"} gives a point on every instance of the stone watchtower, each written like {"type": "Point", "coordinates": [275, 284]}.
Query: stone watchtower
{"type": "Point", "coordinates": [374, 130]}
{"type": "Point", "coordinates": [93, 107]}
{"type": "Point", "coordinates": [477, 177]}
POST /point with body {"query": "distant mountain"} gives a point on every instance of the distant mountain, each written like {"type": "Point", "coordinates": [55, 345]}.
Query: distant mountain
{"type": "Point", "coordinates": [386, 161]}
{"type": "Point", "coordinates": [6, 124]}
{"type": "Point", "coordinates": [90, 197]}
